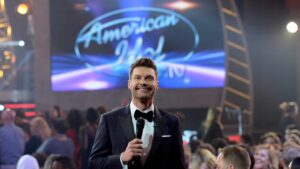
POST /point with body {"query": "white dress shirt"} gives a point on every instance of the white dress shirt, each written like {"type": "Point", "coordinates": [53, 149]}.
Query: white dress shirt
{"type": "Point", "coordinates": [148, 132]}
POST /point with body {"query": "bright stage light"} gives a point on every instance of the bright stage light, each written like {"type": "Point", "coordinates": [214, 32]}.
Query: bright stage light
{"type": "Point", "coordinates": [292, 27]}
{"type": "Point", "coordinates": [181, 5]}
{"type": "Point", "coordinates": [21, 43]}
{"type": "Point", "coordinates": [1, 75]}
{"type": "Point", "coordinates": [2, 107]}
{"type": "Point", "coordinates": [23, 8]}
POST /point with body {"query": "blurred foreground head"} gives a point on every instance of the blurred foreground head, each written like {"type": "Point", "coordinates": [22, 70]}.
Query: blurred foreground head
{"type": "Point", "coordinates": [8, 116]}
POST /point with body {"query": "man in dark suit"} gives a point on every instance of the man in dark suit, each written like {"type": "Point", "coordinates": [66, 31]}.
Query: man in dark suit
{"type": "Point", "coordinates": [160, 146]}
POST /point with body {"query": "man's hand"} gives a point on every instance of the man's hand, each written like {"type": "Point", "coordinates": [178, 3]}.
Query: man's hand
{"type": "Point", "coordinates": [133, 149]}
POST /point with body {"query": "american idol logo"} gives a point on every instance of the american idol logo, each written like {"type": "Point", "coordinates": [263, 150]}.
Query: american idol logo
{"type": "Point", "coordinates": [132, 33]}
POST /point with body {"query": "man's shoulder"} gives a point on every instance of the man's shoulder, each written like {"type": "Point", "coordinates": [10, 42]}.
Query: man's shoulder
{"type": "Point", "coordinates": [115, 112]}
{"type": "Point", "coordinates": [168, 115]}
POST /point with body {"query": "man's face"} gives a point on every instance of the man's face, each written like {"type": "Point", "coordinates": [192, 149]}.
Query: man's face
{"type": "Point", "coordinates": [143, 83]}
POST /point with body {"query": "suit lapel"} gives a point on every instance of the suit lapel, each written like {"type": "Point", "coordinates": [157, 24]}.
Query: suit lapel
{"type": "Point", "coordinates": [126, 124]}
{"type": "Point", "coordinates": [157, 134]}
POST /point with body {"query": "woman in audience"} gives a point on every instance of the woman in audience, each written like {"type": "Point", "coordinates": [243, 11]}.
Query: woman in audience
{"type": "Point", "coordinates": [273, 139]}
{"type": "Point", "coordinates": [266, 157]}
{"type": "Point", "coordinates": [203, 159]}
{"type": "Point", "coordinates": [40, 131]}
{"type": "Point", "coordinates": [59, 143]}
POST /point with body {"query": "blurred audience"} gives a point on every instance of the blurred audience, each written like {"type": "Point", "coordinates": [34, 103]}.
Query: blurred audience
{"type": "Point", "coordinates": [87, 135]}
{"type": "Point", "coordinates": [49, 162]}
{"type": "Point", "coordinates": [27, 162]}
{"type": "Point", "coordinates": [62, 162]}
{"type": "Point", "coordinates": [295, 163]}
{"type": "Point", "coordinates": [266, 157]}
{"type": "Point", "coordinates": [289, 111]}
{"type": "Point", "coordinates": [40, 131]}
{"type": "Point", "coordinates": [59, 143]}
{"type": "Point", "coordinates": [53, 114]}
{"type": "Point", "coordinates": [234, 157]}
{"type": "Point", "coordinates": [12, 143]}
{"type": "Point", "coordinates": [41, 159]}
{"type": "Point", "coordinates": [203, 159]}
{"type": "Point", "coordinates": [212, 127]}
{"type": "Point", "coordinates": [246, 139]}
{"type": "Point", "coordinates": [75, 120]}
{"type": "Point", "coordinates": [68, 142]}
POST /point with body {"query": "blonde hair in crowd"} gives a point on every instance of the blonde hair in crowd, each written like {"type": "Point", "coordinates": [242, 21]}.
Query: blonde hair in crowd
{"type": "Point", "coordinates": [203, 156]}
{"type": "Point", "coordinates": [39, 127]}
{"type": "Point", "coordinates": [272, 153]}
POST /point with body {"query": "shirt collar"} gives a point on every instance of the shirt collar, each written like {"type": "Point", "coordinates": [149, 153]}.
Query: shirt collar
{"type": "Point", "coordinates": [133, 108]}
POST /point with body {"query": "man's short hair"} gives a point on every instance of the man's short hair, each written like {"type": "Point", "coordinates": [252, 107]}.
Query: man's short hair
{"type": "Point", "coordinates": [60, 125]}
{"type": "Point", "coordinates": [237, 156]}
{"type": "Point", "coordinates": [143, 62]}
{"type": "Point", "coordinates": [8, 115]}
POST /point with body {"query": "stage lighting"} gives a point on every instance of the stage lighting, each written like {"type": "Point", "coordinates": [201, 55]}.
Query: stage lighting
{"type": "Point", "coordinates": [181, 5]}
{"type": "Point", "coordinates": [292, 27]}
{"type": "Point", "coordinates": [1, 74]}
{"type": "Point", "coordinates": [2, 107]}
{"type": "Point", "coordinates": [23, 8]}
{"type": "Point", "coordinates": [21, 43]}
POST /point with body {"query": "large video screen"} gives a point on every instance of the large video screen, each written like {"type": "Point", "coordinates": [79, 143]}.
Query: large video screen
{"type": "Point", "coordinates": [94, 42]}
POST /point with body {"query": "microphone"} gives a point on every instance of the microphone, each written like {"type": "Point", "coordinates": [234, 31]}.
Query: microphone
{"type": "Point", "coordinates": [140, 123]}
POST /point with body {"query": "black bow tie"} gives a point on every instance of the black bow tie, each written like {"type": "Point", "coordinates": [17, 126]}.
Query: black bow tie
{"type": "Point", "coordinates": [148, 116]}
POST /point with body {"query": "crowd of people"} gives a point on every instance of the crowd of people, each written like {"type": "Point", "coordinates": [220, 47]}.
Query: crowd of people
{"type": "Point", "coordinates": [51, 140]}
{"type": "Point", "coordinates": [140, 136]}
{"type": "Point", "coordinates": [57, 140]}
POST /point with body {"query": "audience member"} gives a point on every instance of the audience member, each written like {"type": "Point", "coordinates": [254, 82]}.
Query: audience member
{"type": "Point", "coordinates": [12, 142]}
{"type": "Point", "coordinates": [219, 143]}
{"type": "Point", "coordinates": [295, 164]}
{"type": "Point", "coordinates": [59, 143]}
{"type": "Point", "coordinates": [101, 110]}
{"type": "Point", "coordinates": [187, 154]}
{"type": "Point", "coordinates": [273, 139]}
{"type": "Point", "coordinates": [290, 151]}
{"type": "Point", "coordinates": [247, 139]}
{"type": "Point", "coordinates": [27, 162]}
{"type": "Point", "coordinates": [49, 162]}
{"type": "Point", "coordinates": [87, 135]}
{"type": "Point", "coordinates": [75, 120]}
{"type": "Point", "coordinates": [203, 159]}
{"type": "Point", "coordinates": [62, 162]}
{"type": "Point", "coordinates": [53, 114]}
{"type": "Point", "coordinates": [212, 126]}
{"type": "Point", "coordinates": [266, 157]}
{"type": "Point", "coordinates": [41, 158]}
{"type": "Point", "coordinates": [289, 110]}
{"type": "Point", "coordinates": [40, 131]}
{"type": "Point", "coordinates": [233, 157]}
{"type": "Point", "coordinates": [250, 152]}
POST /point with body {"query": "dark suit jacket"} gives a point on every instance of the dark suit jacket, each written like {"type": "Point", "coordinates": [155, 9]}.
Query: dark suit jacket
{"type": "Point", "coordinates": [116, 130]}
